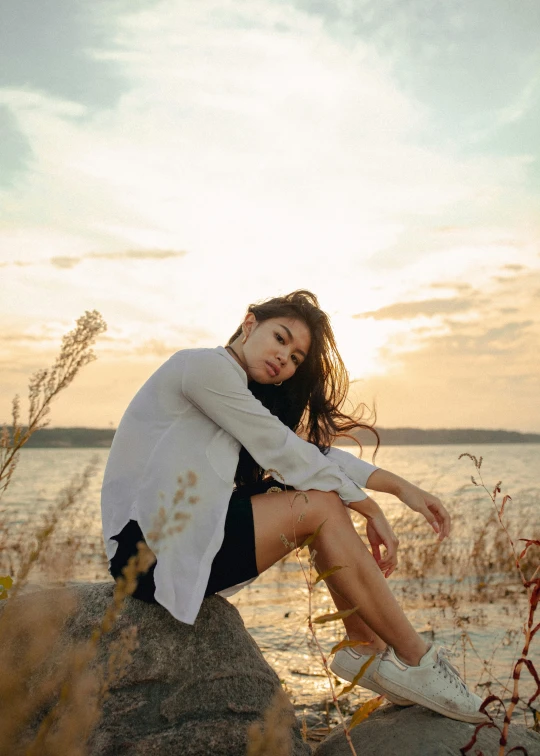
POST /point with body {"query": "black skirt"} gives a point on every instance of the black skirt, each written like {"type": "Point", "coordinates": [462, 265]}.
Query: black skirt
{"type": "Point", "coordinates": [234, 563]}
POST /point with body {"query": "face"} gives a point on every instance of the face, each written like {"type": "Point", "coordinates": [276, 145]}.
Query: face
{"type": "Point", "coordinates": [275, 348]}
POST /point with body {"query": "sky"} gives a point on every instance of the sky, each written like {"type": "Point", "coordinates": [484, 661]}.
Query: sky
{"type": "Point", "coordinates": [167, 163]}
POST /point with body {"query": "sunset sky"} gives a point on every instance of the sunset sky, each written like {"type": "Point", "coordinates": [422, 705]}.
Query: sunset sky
{"type": "Point", "coordinates": [168, 162]}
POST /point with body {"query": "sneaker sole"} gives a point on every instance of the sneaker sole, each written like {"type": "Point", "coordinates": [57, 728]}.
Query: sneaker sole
{"type": "Point", "coordinates": [345, 674]}
{"type": "Point", "coordinates": [473, 718]}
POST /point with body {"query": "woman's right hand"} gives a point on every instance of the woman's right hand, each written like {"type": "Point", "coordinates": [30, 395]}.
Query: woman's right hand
{"type": "Point", "coordinates": [428, 505]}
{"type": "Point", "coordinates": [414, 497]}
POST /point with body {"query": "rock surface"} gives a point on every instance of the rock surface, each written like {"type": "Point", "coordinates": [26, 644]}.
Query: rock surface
{"type": "Point", "coordinates": [190, 690]}
{"type": "Point", "coordinates": [415, 731]}
{"type": "Point", "coordinates": [195, 691]}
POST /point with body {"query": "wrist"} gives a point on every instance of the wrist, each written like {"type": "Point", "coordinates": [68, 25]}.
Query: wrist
{"type": "Point", "coordinates": [387, 482]}
{"type": "Point", "coordinates": [367, 507]}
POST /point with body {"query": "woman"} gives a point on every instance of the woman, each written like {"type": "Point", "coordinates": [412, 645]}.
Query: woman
{"type": "Point", "coordinates": [230, 414]}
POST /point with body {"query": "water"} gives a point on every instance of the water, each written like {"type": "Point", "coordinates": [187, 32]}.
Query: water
{"type": "Point", "coordinates": [485, 636]}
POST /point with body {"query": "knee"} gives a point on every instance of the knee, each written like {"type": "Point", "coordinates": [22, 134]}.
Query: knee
{"type": "Point", "coordinates": [324, 505]}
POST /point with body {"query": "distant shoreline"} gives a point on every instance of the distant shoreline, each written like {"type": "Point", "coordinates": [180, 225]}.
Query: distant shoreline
{"type": "Point", "coordinates": [101, 438]}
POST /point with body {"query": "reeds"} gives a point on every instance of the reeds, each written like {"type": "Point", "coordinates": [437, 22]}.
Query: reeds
{"type": "Point", "coordinates": [51, 693]}
{"type": "Point", "coordinates": [29, 631]}
{"type": "Point", "coordinates": [532, 586]}
{"type": "Point", "coordinates": [272, 736]}
{"type": "Point", "coordinates": [51, 696]}
{"type": "Point", "coordinates": [43, 387]}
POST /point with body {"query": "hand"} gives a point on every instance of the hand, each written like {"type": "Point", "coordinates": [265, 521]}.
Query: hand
{"type": "Point", "coordinates": [429, 506]}
{"type": "Point", "coordinates": [379, 533]}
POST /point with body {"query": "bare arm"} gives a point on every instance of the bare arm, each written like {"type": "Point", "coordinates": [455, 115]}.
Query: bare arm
{"type": "Point", "coordinates": [414, 497]}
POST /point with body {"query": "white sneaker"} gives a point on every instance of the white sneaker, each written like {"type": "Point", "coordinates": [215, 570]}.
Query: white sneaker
{"type": "Point", "coordinates": [434, 683]}
{"type": "Point", "coordinates": [347, 664]}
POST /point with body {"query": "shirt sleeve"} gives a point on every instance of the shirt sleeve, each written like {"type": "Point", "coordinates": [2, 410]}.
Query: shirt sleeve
{"type": "Point", "coordinates": [354, 468]}
{"type": "Point", "coordinates": [213, 385]}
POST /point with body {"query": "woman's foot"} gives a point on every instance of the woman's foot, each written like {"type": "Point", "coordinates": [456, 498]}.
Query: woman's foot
{"type": "Point", "coordinates": [347, 663]}
{"type": "Point", "coordinates": [434, 683]}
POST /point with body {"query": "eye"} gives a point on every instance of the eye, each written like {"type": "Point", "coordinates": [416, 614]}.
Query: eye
{"type": "Point", "coordinates": [281, 340]}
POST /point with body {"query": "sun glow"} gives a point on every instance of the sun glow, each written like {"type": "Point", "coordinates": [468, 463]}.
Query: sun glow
{"type": "Point", "coordinates": [361, 342]}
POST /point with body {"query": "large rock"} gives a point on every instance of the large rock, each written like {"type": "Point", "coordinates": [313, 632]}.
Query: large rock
{"type": "Point", "coordinates": [415, 731]}
{"type": "Point", "coordinates": [189, 691]}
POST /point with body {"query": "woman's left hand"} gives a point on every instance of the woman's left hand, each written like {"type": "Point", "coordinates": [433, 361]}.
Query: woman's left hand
{"type": "Point", "coordinates": [379, 533]}
{"type": "Point", "coordinates": [429, 506]}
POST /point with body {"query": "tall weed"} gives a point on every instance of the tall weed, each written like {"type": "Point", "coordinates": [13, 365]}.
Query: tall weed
{"type": "Point", "coordinates": [51, 696]}
{"type": "Point", "coordinates": [530, 579]}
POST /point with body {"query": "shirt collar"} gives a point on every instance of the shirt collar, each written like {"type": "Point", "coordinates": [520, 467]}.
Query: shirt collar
{"type": "Point", "coordinates": [221, 350]}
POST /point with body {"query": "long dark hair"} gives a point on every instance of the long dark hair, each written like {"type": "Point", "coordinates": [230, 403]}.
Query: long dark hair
{"type": "Point", "coordinates": [309, 402]}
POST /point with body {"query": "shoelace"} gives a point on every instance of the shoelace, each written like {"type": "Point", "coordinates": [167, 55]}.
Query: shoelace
{"type": "Point", "coordinates": [450, 671]}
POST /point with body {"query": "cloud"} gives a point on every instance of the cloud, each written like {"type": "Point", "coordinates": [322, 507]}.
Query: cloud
{"type": "Point", "coordinates": [164, 349]}
{"type": "Point", "coordinates": [496, 320]}
{"type": "Point", "coordinates": [283, 134]}
{"type": "Point", "coordinates": [15, 264]}
{"type": "Point", "coordinates": [138, 254]}
{"type": "Point", "coordinates": [524, 103]}
{"type": "Point", "coordinates": [65, 262]}
{"type": "Point", "coordinates": [134, 254]}
{"type": "Point", "coordinates": [21, 337]}
{"type": "Point", "coordinates": [514, 268]}
{"type": "Point", "coordinates": [15, 152]}
{"type": "Point", "coordinates": [48, 47]}
{"type": "Point", "coordinates": [285, 145]}
{"type": "Point", "coordinates": [503, 279]}
{"type": "Point", "coordinates": [472, 373]}
{"type": "Point", "coordinates": [508, 333]}
{"type": "Point", "coordinates": [427, 307]}
{"type": "Point", "coordinates": [457, 285]}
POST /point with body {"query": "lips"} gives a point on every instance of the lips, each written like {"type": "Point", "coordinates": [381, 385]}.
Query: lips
{"type": "Point", "coordinates": [272, 369]}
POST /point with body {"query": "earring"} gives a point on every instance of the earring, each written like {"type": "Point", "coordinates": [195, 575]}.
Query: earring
{"type": "Point", "coordinates": [244, 340]}
{"type": "Point", "coordinates": [278, 384]}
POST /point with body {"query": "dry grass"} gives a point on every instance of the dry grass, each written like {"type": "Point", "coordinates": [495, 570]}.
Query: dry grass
{"type": "Point", "coordinates": [51, 690]}
{"type": "Point", "coordinates": [529, 574]}
{"type": "Point", "coordinates": [51, 694]}
{"type": "Point", "coordinates": [44, 386]}
{"type": "Point", "coordinates": [273, 737]}
{"type": "Point", "coordinates": [482, 566]}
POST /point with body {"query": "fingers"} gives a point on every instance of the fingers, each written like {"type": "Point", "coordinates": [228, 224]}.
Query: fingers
{"type": "Point", "coordinates": [442, 519]}
{"type": "Point", "coordinates": [386, 562]}
{"type": "Point", "coordinates": [389, 563]}
{"type": "Point", "coordinates": [387, 568]}
{"type": "Point", "coordinates": [379, 534]}
{"type": "Point", "coordinates": [431, 508]}
{"type": "Point", "coordinates": [391, 548]}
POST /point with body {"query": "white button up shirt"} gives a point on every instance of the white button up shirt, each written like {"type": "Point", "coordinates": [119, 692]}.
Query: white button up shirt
{"type": "Point", "coordinates": [194, 414]}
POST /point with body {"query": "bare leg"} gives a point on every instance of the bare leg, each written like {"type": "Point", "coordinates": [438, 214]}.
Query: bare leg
{"type": "Point", "coordinates": [360, 583]}
{"type": "Point", "coordinates": [357, 629]}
